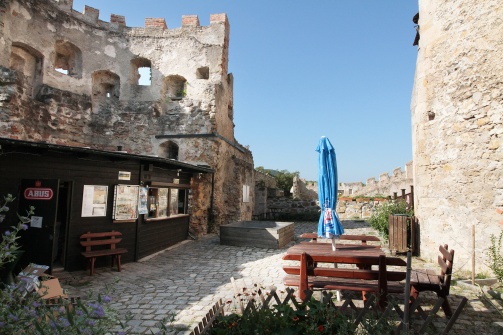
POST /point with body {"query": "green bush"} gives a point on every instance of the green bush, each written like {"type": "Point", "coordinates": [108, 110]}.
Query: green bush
{"type": "Point", "coordinates": [380, 217]}
{"type": "Point", "coordinates": [495, 256]}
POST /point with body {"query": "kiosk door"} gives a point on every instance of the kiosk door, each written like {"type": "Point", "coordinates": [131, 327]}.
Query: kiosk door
{"type": "Point", "coordinates": [38, 240]}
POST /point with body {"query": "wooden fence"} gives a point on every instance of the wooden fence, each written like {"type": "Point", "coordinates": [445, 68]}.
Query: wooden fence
{"type": "Point", "coordinates": [420, 324]}
{"type": "Point", "coordinates": [408, 197]}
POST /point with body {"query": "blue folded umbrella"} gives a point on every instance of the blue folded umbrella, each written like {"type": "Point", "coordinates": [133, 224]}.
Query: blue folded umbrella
{"type": "Point", "coordinates": [329, 225]}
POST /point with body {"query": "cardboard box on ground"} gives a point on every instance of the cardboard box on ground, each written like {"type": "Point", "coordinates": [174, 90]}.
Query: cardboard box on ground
{"type": "Point", "coordinates": [34, 278]}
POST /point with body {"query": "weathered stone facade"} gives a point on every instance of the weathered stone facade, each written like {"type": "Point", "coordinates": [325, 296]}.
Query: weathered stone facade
{"type": "Point", "coordinates": [76, 82]}
{"type": "Point", "coordinates": [457, 126]}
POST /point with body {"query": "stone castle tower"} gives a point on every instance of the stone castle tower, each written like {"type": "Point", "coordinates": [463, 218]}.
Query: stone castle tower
{"type": "Point", "coordinates": [457, 127]}
{"type": "Point", "coordinates": [69, 78]}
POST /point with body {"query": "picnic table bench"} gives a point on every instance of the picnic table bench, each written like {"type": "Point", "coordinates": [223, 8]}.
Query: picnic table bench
{"type": "Point", "coordinates": [428, 280]}
{"type": "Point", "coordinates": [363, 238]}
{"type": "Point", "coordinates": [363, 278]}
{"type": "Point", "coordinates": [106, 243]}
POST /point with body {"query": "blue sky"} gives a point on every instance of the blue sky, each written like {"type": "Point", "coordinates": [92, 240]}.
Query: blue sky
{"type": "Point", "coordinates": [305, 69]}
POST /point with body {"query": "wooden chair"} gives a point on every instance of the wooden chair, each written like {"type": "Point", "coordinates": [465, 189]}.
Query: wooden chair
{"type": "Point", "coordinates": [428, 280]}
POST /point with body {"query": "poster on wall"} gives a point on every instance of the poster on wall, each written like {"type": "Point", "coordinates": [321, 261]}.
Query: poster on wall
{"type": "Point", "coordinates": [126, 202]}
{"type": "Point", "coordinates": [142, 201]}
{"type": "Point", "coordinates": [162, 211]}
{"type": "Point", "coordinates": [94, 201]}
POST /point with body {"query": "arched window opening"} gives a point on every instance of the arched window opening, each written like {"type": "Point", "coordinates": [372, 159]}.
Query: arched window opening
{"type": "Point", "coordinates": [169, 150]}
{"type": "Point", "coordinates": [175, 87]}
{"type": "Point", "coordinates": [68, 59]}
{"type": "Point", "coordinates": [141, 72]}
{"type": "Point", "coordinates": [28, 62]}
{"type": "Point", "coordinates": [106, 85]}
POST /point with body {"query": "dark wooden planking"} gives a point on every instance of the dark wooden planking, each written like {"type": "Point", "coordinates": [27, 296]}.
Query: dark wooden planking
{"type": "Point", "coordinates": [158, 235]}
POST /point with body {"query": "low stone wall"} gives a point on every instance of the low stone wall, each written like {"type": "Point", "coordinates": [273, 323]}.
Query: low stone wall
{"type": "Point", "coordinates": [357, 209]}
{"type": "Point", "coordinates": [294, 206]}
{"type": "Point", "coordinates": [346, 209]}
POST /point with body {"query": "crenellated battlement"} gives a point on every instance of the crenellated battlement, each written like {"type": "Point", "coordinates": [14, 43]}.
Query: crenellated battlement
{"type": "Point", "coordinates": [91, 15]}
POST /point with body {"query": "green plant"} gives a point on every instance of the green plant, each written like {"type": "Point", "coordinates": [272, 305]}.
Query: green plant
{"type": "Point", "coordinates": [9, 244]}
{"type": "Point", "coordinates": [314, 317]}
{"type": "Point", "coordinates": [379, 219]}
{"type": "Point", "coordinates": [495, 256]}
{"type": "Point", "coordinates": [481, 275]}
{"type": "Point", "coordinates": [284, 178]}
{"type": "Point", "coordinates": [23, 312]}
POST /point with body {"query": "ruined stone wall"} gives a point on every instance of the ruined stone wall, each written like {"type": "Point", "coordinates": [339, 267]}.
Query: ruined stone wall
{"type": "Point", "coordinates": [303, 189]}
{"type": "Point", "coordinates": [387, 185]}
{"type": "Point", "coordinates": [77, 82]}
{"type": "Point", "coordinates": [263, 183]}
{"type": "Point", "coordinates": [457, 116]}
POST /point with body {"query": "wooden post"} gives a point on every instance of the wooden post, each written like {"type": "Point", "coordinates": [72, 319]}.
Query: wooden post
{"type": "Point", "coordinates": [473, 254]}
{"type": "Point", "coordinates": [406, 302]}
{"type": "Point", "coordinates": [412, 196]}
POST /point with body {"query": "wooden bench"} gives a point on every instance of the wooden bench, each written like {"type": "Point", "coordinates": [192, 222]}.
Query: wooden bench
{"type": "Point", "coordinates": [364, 278]}
{"type": "Point", "coordinates": [362, 238]}
{"type": "Point", "coordinates": [429, 280]}
{"type": "Point", "coordinates": [105, 243]}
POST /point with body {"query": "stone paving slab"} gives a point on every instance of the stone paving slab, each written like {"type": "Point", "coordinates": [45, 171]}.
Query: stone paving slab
{"type": "Point", "coordinates": [187, 279]}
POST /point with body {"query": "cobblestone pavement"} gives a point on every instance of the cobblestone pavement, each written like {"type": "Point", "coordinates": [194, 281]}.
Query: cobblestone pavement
{"type": "Point", "coordinates": [187, 279]}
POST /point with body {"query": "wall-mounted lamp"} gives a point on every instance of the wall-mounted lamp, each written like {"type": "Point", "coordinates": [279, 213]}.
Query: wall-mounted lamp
{"type": "Point", "coordinates": [178, 172]}
{"type": "Point", "coordinates": [199, 175]}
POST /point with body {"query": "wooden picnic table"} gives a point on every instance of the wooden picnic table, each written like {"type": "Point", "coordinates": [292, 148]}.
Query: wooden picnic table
{"type": "Point", "coordinates": [363, 238]}
{"type": "Point", "coordinates": [325, 249]}
{"type": "Point", "coordinates": [363, 256]}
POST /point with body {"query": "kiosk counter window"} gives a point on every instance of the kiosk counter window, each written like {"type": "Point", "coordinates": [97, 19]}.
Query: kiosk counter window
{"type": "Point", "coordinates": [164, 202]}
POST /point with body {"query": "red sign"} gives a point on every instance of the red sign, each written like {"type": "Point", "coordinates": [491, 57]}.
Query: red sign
{"type": "Point", "coordinates": [33, 193]}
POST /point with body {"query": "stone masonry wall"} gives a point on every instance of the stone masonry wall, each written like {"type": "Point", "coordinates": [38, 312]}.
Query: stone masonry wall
{"type": "Point", "coordinates": [457, 126]}
{"type": "Point", "coordinates": [346, 209]}
{"type": "Point", "coordinates": [76, 82]}
{"type": "Point", "coordinates": [386, 185]}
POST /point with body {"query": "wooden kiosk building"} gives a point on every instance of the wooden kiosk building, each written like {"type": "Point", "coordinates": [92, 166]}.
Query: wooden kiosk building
{"type": "Point", "coordinates": [76, 190]}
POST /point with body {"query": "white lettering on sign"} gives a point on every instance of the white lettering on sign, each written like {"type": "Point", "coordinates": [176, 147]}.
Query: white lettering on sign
{"type": "Point", "coordinates": [38, 193]}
